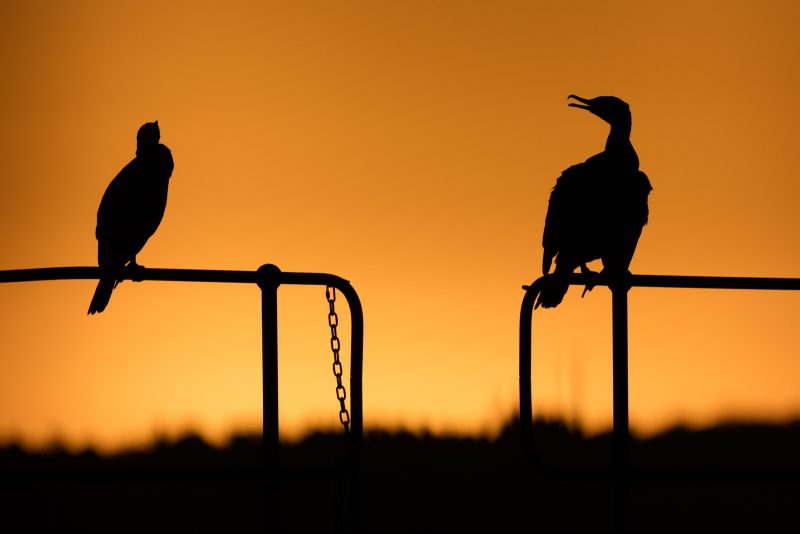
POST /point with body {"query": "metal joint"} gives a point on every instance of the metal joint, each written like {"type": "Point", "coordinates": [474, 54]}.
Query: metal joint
{"type": "Point", "coordinates": [269, 277]}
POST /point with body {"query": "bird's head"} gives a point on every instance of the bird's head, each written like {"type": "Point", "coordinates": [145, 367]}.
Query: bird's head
{"type": "Point", "coordinates": [148, 137]}
{"type": "Point", "coordinates": [611, 109]}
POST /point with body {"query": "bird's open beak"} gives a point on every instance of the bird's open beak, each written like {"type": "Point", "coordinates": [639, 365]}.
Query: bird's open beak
{"type": "Point", "coordinates": [579, 99]}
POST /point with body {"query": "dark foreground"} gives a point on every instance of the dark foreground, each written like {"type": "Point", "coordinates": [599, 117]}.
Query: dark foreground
{"type": "Point", "coordinates": [411, 483]}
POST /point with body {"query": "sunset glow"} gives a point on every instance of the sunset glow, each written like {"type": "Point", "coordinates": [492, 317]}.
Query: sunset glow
{"type": "Point", "coordinates": [410, 148]}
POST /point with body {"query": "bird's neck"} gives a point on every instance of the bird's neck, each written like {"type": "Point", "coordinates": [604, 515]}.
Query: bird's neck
{"type": "Point", "coordinates": [618, 145]}
{"type": "Point", "coordinates": [620, 135]}
{"type": "Point", "coordinates": [145, 150]}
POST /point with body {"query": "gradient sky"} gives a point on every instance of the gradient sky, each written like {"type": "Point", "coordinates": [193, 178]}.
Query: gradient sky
{"type": "Point", "coordinates": [409, 147]}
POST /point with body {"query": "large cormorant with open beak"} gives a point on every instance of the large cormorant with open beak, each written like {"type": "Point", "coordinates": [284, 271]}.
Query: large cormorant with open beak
{"type": "Point", "coordinates": [597, 208]}
{"type": "Point", "coordinates": [130, 211]}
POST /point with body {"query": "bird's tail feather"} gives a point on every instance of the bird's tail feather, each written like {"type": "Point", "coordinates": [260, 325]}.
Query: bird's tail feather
{"type": "Point", "coordinates": [550, 290]}
{"type": "Point", "coordinates": [102, 295]}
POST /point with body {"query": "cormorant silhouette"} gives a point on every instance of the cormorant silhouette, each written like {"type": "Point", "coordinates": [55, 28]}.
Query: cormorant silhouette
{"type": "Point", "coordinates": [597, 208]}
{"type": "Point", "coordinates": [130, 211]}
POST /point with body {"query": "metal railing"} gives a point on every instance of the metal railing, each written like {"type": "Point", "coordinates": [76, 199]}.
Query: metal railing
{"type": "Point", "coordinates": [621, 473]}
{"type": "Point", "coordinates": [268, 278]}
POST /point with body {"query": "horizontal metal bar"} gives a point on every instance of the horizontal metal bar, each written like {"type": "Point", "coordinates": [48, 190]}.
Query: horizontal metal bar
{"type": "Point", "coordinates": [715, 282]}
{"type": "Point", "coordinates": [319, 279]}
{"type": "Point", "coordinates": [295, 278]}
{"type": "Point", "coordinates": [171, 275]}
{"type": "Point", "coordinates": [692, 282]}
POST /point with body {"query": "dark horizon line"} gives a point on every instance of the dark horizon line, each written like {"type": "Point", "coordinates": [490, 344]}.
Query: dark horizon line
{"type": "Point", "coordinates": [511, 422]}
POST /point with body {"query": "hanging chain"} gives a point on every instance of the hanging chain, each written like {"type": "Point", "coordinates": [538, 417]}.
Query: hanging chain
{"type": "Point", "coordinates": [341, 393]}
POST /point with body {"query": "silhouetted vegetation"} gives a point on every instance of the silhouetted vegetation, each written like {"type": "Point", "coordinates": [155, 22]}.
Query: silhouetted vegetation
{"type": "Point", "coordinates": [409, 483]}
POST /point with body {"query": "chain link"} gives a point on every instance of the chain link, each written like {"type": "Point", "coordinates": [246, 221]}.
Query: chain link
{"type": "Point", "coordinates": [341, 393]}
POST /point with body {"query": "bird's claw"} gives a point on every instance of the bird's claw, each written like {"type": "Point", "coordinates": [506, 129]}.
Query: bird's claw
{"type": "Point", "coordinates": [593, 279]}
{"type": "Point", "coordinates": [136, 271]}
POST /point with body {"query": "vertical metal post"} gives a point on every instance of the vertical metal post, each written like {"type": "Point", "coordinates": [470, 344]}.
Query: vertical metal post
{"type": "Point", "coordinates": [525, 386]}
{"type": "Point", "coordinates": [621, 436]}
{"type": "Point", "coordinates": [356, 408]}
{"type": "Point", "coordinates": [268, 281]}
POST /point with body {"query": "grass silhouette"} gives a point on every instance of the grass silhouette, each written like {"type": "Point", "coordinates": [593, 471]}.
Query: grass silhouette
{"type": "Point", "coordinates": [409, 483]}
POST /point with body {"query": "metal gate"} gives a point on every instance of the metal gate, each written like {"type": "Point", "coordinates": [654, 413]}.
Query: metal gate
{"type": "Point", "coordinates": [621, 473]}
{"type": "Point", "coordinates": [268, 278]}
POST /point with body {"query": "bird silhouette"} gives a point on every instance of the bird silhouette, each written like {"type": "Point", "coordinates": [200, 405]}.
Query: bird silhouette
{"type": "Point", "coordinates": [597, 208]}
{"type": "Point", "coordinates": [130, 212]}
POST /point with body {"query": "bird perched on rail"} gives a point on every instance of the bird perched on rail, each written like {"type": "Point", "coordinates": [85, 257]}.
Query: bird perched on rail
{"type": "Point", "coordinates": [597, 208]}
{"type": "Point", "coordinates": [130, 212]}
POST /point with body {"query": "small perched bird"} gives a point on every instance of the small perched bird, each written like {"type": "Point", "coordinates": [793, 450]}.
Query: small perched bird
{"type": "Point", "coordinates": [130, 211]}
{"type": "Point", "coordinates": [597, 208]}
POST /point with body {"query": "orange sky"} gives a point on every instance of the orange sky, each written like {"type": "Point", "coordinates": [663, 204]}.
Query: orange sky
{"type": "Point", "coordinates": [409, 147]}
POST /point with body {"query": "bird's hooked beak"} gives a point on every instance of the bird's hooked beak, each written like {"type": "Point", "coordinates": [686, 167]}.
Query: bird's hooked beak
{"type": "Point", "coordinates": [586, 103]}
